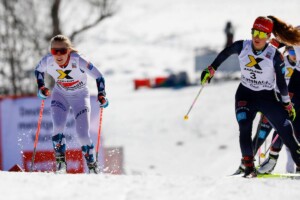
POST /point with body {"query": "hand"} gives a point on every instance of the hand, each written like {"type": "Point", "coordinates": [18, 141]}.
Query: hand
{"type": "Point", "coordinates": [43, 93]}
{"type": "Point", "coordinates": [207, 74]}
{"type": "Point", "coordinates": [102, 100]}
{"type": "Point", "coordinates": [290, 109]}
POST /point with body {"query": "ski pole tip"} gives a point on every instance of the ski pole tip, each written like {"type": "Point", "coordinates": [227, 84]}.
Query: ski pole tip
{"type": "Point", "coordinates": [186, 117]}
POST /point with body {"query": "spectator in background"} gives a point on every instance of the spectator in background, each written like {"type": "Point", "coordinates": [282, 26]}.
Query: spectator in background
{"type": "Point", "coordinates": [229, 31]}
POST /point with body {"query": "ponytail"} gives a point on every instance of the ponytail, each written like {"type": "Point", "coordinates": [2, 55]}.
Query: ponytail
{"type": "Point", "coordinates": [286, 33]}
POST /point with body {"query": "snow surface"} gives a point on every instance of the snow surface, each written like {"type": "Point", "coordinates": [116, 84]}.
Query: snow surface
{"type": "Point", "coordinates": [166, 158]}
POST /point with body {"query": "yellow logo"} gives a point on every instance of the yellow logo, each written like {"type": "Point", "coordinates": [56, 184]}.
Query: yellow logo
{"type": "Point", "coordinates": [254, 62]}
{"type": "Point", "coordinates": [64, 74]}
{"type": "Point", "coordinates": [289, 72]}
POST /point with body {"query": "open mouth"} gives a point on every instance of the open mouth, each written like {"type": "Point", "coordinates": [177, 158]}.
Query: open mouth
{"type": "Point", "coordinates": [256, 41]}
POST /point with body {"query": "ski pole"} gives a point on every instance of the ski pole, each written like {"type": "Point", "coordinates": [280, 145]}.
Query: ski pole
{"type": "Point", "coordinates": [263, 155]}
{"type": "Point", "coordinates": [259, 152]}
{"type": "Point", "coordinates": [186, 117]}
{"type": "Point", "coordinates": [37, 134]}
{"type": "Point", "coordinates": [99, 133]}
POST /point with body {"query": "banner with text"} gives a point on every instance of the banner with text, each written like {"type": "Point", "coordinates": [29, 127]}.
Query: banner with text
{"type": "Point", "coordinates": [18, 125]}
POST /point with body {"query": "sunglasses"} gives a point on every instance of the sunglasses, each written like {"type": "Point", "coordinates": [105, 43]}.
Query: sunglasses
{"type": "Point", "coordinates": [260, 34]}
{"type": "Point", "coordinates": [291, 52]}
{"type": "Point", "coordinates": [62, 51]}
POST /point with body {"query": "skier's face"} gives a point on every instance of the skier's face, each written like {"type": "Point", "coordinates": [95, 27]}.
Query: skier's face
{"type": "Point", "coordinates": [259, 39]}
{"type": "Point", "coordinates": [292, 54]}
{"type": "Point", "coordinates": [60, 52]}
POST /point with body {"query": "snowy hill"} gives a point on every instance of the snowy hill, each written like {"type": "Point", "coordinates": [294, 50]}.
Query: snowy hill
{"type": "Point", "coordinates": [165, 157]}
{"type": "Point", "coordinates": [147, 38]}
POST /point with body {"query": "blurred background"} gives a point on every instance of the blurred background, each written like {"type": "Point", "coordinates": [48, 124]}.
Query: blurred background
{"type": "Point", "coordinates": [160, 45]}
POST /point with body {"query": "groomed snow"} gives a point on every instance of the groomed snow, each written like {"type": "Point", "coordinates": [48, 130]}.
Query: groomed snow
{"type": "Point", "coordinates": [165, 157]}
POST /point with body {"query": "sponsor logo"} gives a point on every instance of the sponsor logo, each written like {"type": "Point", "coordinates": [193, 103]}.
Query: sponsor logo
{"type": "Point", "coordinates": [254, 62]}
{"type": "Point", "coordinates": [290, 72]}
{"type": "Point", "coordinates": [268, 55]}
{"type": "Point", "coordinates": [81, 112]}
{"type": "Point", "coordinates": [262, 134]}
{"type": "Point", "coordinates": [67, 84]}
{"type": "Point", "coordinates": [242, 103]}
{"type": "Point", "coordinates": [58, 104]}
{"type": "Point", "coordinates": [265, 120]}
{"type": "Point", "coordinates": [64, 74]}
{"type": "Point", "coordinates": [240, 116]}
{"type": "Point", "coordinates": [90, 66]}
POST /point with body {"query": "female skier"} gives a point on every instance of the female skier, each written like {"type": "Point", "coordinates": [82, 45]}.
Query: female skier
{"type": "Point", "coordinates": [264, 127]}
{"type": "Point", "coordinates": [262, 68]}
{"type": "Point", "coordinates": [269, 164]}
{"type": "Point", "coordinates": [69, 71]}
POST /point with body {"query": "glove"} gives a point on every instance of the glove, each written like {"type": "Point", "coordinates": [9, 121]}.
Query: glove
{"type": "Point", "coordinates": [290, 109]}
{"type": "Point", "coordinates": [102, 100]}
{"type": "Point", "coordinates": [207, 74]}
{"type": "Point", "coordinates": [43, 93]}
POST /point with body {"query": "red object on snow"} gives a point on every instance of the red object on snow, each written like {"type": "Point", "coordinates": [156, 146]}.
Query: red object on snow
{"type": "Point", "coordinates": [16, 168]}
{"type": "Point", "coordinates": [45, 161]}
{"type": "Point", "coordinates": [160, 80]}
{"type": "Point", "coordinates": [142, 83]}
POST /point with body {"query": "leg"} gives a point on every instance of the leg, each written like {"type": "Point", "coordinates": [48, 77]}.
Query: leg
{"type": "Point", "coordinates": [269, 164]}
{"type": "Point", "coordinates": [263, 130]}
{"type": "Point", "coordinates": [278, 117]}
{"type": "Point", "coordinates": [245, 119]}
{"type": "Point", "coordinates": [245, 114]}
{"type": "Point", "coordinates": [81, 107]}
{"type": "Point", "coordinates": [59, 112]}
{"type": "Point", "coordinates": [296, 122]}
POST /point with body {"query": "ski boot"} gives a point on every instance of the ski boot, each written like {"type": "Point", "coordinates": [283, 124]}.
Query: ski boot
{"type": "Point", "coordinates": [61, 165]}
{"type": "Point", "coordinates": [94, 168]}
{"type": "Point", "coordinates": [89, 154]}
{"type": "Point", "coordinates": [240, 170]}
{"type": "Point", "coordinates": [250, 171]}
{"type": "Point", "coordinates": [269, 164]}
{"type": "Point", "coordinates": [59, 145]}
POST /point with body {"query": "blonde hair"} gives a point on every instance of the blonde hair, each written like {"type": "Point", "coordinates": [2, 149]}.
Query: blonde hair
{"type": "Point", "coordinates": [64, 39]}
{"type": "Point", "coordinates": [286, 33]}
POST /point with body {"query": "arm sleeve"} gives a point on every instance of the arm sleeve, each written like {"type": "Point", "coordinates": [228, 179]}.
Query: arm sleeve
{"type": "Point", "coordinates": [236, 47]}
{"type": "Point", "coordinates": [280, 80]}
{"type": "Point", "coordinates": [297, 51]}
{"type": "Point", "coordinates": [91, 70]}
{"type": "Point", "coordinates": [294, 85]}
{"type": "Point", "coordinates": [40, 71]}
